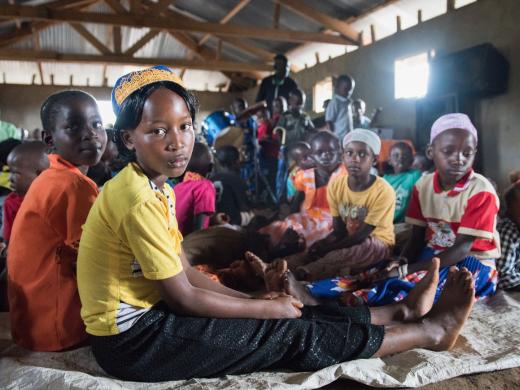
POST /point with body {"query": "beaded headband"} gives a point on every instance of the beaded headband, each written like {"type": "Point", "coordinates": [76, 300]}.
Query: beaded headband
{"type": "Point", "coordinates": [131, 82]}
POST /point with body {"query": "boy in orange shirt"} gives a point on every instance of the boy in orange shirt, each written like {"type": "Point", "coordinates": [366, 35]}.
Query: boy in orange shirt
{"type": "Point", "coordinates": [42, 288]}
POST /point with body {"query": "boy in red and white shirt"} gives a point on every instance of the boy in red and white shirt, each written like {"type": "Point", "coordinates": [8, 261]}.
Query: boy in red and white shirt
{"type": "Point", "coordinates": [454, 210]}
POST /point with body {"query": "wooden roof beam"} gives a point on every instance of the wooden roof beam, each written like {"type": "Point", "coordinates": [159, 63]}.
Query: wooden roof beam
{"type": "Point", "coordinates": [52, 56]}
{"type": "Point", "coordinates": [235, 10]}
{"type": "Point", "coordinates": [142, 42]}
{"type": "Point", "coordinates": [90, 38]}
{"type": "Point", "coordinates": [325, 20]}
{"type": "Point", "coordinates": [179, 24]}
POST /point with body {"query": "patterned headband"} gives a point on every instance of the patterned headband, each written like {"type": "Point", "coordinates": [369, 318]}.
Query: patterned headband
{"type": "Point", "coordinates": [131, 82]}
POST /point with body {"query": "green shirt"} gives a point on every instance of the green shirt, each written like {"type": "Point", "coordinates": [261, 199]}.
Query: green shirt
{"type": "Point", "coordinates": [402, 184]}
{"type": "Point", "coordinates": [8, 130]}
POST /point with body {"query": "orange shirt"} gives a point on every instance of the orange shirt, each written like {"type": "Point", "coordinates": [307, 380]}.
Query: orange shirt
{"type": "Point", "coordinates": [42, 288]}
{"type": "Point", "coordinates": [305, 181]}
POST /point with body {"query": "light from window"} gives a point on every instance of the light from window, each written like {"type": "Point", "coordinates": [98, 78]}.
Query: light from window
{"type": "Point", "coordinates": [107, 114]}
{"type": "Point", "coordinates": [411, 77]}
{"type": "Point", "coordinates": [322, 92]}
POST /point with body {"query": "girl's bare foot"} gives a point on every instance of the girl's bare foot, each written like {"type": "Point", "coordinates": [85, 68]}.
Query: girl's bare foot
{"type": "Point", "coordinates": [274, 275]}
{"type": "Point", "coordinates": [444, 322]}
{"type": "Point", "coordinates": [420, 300]}
{"type": "Point", "coordinates": [256, 263]}
{"type": "Point", "coordinates": [297, 290]}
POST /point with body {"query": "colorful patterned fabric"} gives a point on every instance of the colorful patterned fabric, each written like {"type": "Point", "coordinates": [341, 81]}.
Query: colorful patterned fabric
{"type": "Point", "coordinates": [314, 221]}
{"type": "Point", "coordinates": [508, 265]}
{"type": "Point", "coordinates": [358, 289]}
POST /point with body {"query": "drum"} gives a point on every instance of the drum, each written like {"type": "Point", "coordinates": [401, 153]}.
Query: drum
{"type": "Point", "coordinates": [215, 123]}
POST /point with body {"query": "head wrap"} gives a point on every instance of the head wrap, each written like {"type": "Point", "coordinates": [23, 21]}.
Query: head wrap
{"type": "Point", "coordinates": [366, 136]}
{"type": "Point", "coordinates": [132, 81]}
{"type": "Point", "coordinates": [452, 121]}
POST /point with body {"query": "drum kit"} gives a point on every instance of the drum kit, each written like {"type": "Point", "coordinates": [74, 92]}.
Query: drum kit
{"type": "Point", "coordinates": [222, 128]}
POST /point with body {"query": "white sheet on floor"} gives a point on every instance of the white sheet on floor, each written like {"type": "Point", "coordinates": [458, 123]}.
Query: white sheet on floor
{"type": "Point", "coordinates": [489, 342]}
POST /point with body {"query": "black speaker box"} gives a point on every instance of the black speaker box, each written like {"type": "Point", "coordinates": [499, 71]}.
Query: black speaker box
{"type": "Point", "coordinates": [480, 71]}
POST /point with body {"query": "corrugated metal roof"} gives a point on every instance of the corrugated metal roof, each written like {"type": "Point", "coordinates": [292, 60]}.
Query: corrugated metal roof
{"type": "Point", "coordinates": [63, 38]}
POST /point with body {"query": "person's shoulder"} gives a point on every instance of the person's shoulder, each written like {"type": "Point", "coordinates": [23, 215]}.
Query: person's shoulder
{"type": "Point", "coordinates": [129, 186]}
{"type": "Point", "coordinates": [382, 186]}
{"type": "Point", "coordinates": [479, 183]}
{"type": "Point", "coordinates": [339, 182]}
{"type": "Point", "coordinates": [425, 181]}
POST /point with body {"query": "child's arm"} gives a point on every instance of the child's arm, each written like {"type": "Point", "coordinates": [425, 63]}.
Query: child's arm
{"type": "Point", "coordinates": [199, 221]}
{"type": "Point", "coordinates": [198, 279]}
{"type": "Point", "coordinates": [184, 298]}
{"type": "Point", "coordinates": [339, 238]}
{"type": "Point", "coordinates": [296, 202]}
{"type": "Point", "coordinates": [415, 244]}
{"type": "Point", "coordinates": [457, 252]}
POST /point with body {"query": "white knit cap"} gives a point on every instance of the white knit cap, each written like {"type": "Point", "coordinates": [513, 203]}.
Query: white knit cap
{"type": "Point", "coordinates": [366, 136]}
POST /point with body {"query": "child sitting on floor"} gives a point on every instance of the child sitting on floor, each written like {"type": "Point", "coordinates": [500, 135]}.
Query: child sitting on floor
{"type": "Point", "coordinates": [313, 221]}
{"type": "Point", "coordinates": [152, 317]}
{"type": "Point", "coordinates": [41, 263]}
{"type": "Point", "coordinates": [362, 206]}
{"type": "Point", "coordinates": [196, 194]}
{"type": "Point", "coordinates": [230, 187]}
{"type": "Point", "coordinates": [508, 264]}
{"type": "Point", "coordinates": [453, 212]}
{"type": "Point", "coordinates": [26, 162]}
{"type": "Point", "coordinates": [301, 158]}
{"type": "Point", "coordinates": [403, 177]}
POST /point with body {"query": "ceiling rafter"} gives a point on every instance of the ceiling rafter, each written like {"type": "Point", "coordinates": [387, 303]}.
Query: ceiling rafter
{"type": "Point", "coordinates": [53, 56]}
{"type": "Point", "coordinates": [235, 10]}
{"type": "Point", "coordinates": [142, 42]}
{"type": "Point", "coordinates": [90, 38]}
{"type": "Point", "coordinates": [35, 27]}
{"type": "Point", "coordinates": [325, 20]}
{"type": "Point", "coordinates": [180, 24]}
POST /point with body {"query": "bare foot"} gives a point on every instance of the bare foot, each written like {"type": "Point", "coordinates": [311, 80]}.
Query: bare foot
{"type": "Point", "coordinates": [297, 290]}
{"type": "Point", "coordinates": [420, 300]}
{"type": "Point", "coordinates": [444, 322]}
{"type": "Point", "coordinates": [256, 263]}
{"type": "Point", "coordinates": [274, 275]}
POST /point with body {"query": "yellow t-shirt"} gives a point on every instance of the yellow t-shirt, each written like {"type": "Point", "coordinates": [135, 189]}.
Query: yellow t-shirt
{"type": "Point", "coordinates": [375, 206]}
{"type": "Point", "coordinates": [129, 240]}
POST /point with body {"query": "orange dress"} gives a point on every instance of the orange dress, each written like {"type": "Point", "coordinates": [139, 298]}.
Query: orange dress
{"type": "Point", "coordinates": [314, 220]}
{"type": "Point", "coordinates": [42, 288]}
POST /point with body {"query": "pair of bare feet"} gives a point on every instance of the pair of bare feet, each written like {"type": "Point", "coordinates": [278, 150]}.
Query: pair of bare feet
{"type": "Point", "coordinates": [439, 324]}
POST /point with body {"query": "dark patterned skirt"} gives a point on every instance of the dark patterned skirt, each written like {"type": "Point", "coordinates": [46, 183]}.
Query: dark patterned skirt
{"type": "Point", "coordinates": [163, 346]}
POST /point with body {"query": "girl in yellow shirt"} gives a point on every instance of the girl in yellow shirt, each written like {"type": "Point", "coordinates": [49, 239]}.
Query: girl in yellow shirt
{"type": "Point", "coordinates": [152, 317]}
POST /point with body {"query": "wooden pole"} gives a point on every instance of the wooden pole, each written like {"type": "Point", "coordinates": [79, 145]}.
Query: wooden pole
{"type": "Point", "coordinates": [317, 54]}
{"type": "Point", "coordinates": [373, 32]}
{"type": "Point", "coordinates": [276, 16]}
{"type": "Point", "coordinates": [419, 16]}
{"type": "Point", "coordinates": [398, 23]}
{"type": "Point", "coordinates": [52, 79]}
{"type": "Point", "coordinates": [71, 80]}
{"type": "Point", "coordinates": [450, 5]}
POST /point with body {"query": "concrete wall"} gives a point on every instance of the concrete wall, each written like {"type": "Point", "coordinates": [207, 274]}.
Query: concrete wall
{"type": "Point", "coordinates": [494, 21]}
{"type": "Point", "coordinates": [20, 104]}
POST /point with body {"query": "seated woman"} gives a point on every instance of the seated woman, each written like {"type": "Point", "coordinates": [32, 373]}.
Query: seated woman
{"type": "Point", "coordinates": [152, 317]}
{"type": "Point", "coordinates": [314, 221]}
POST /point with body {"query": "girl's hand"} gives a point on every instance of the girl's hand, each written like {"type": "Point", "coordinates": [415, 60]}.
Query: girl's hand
{"type": "Point", "coordinates": [390, 271]}
{"type": "Point", "coordinates": [221, 219]}
{"type": "Point", "coordinates": [285, 307]}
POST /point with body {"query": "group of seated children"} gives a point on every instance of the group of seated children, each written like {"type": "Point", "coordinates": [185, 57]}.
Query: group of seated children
{"type": "Point", "coordinates": [110, 269]}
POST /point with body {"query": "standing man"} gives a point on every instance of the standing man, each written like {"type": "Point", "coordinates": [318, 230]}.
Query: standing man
{"type": "Point", "coordinates": [278, 84]}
